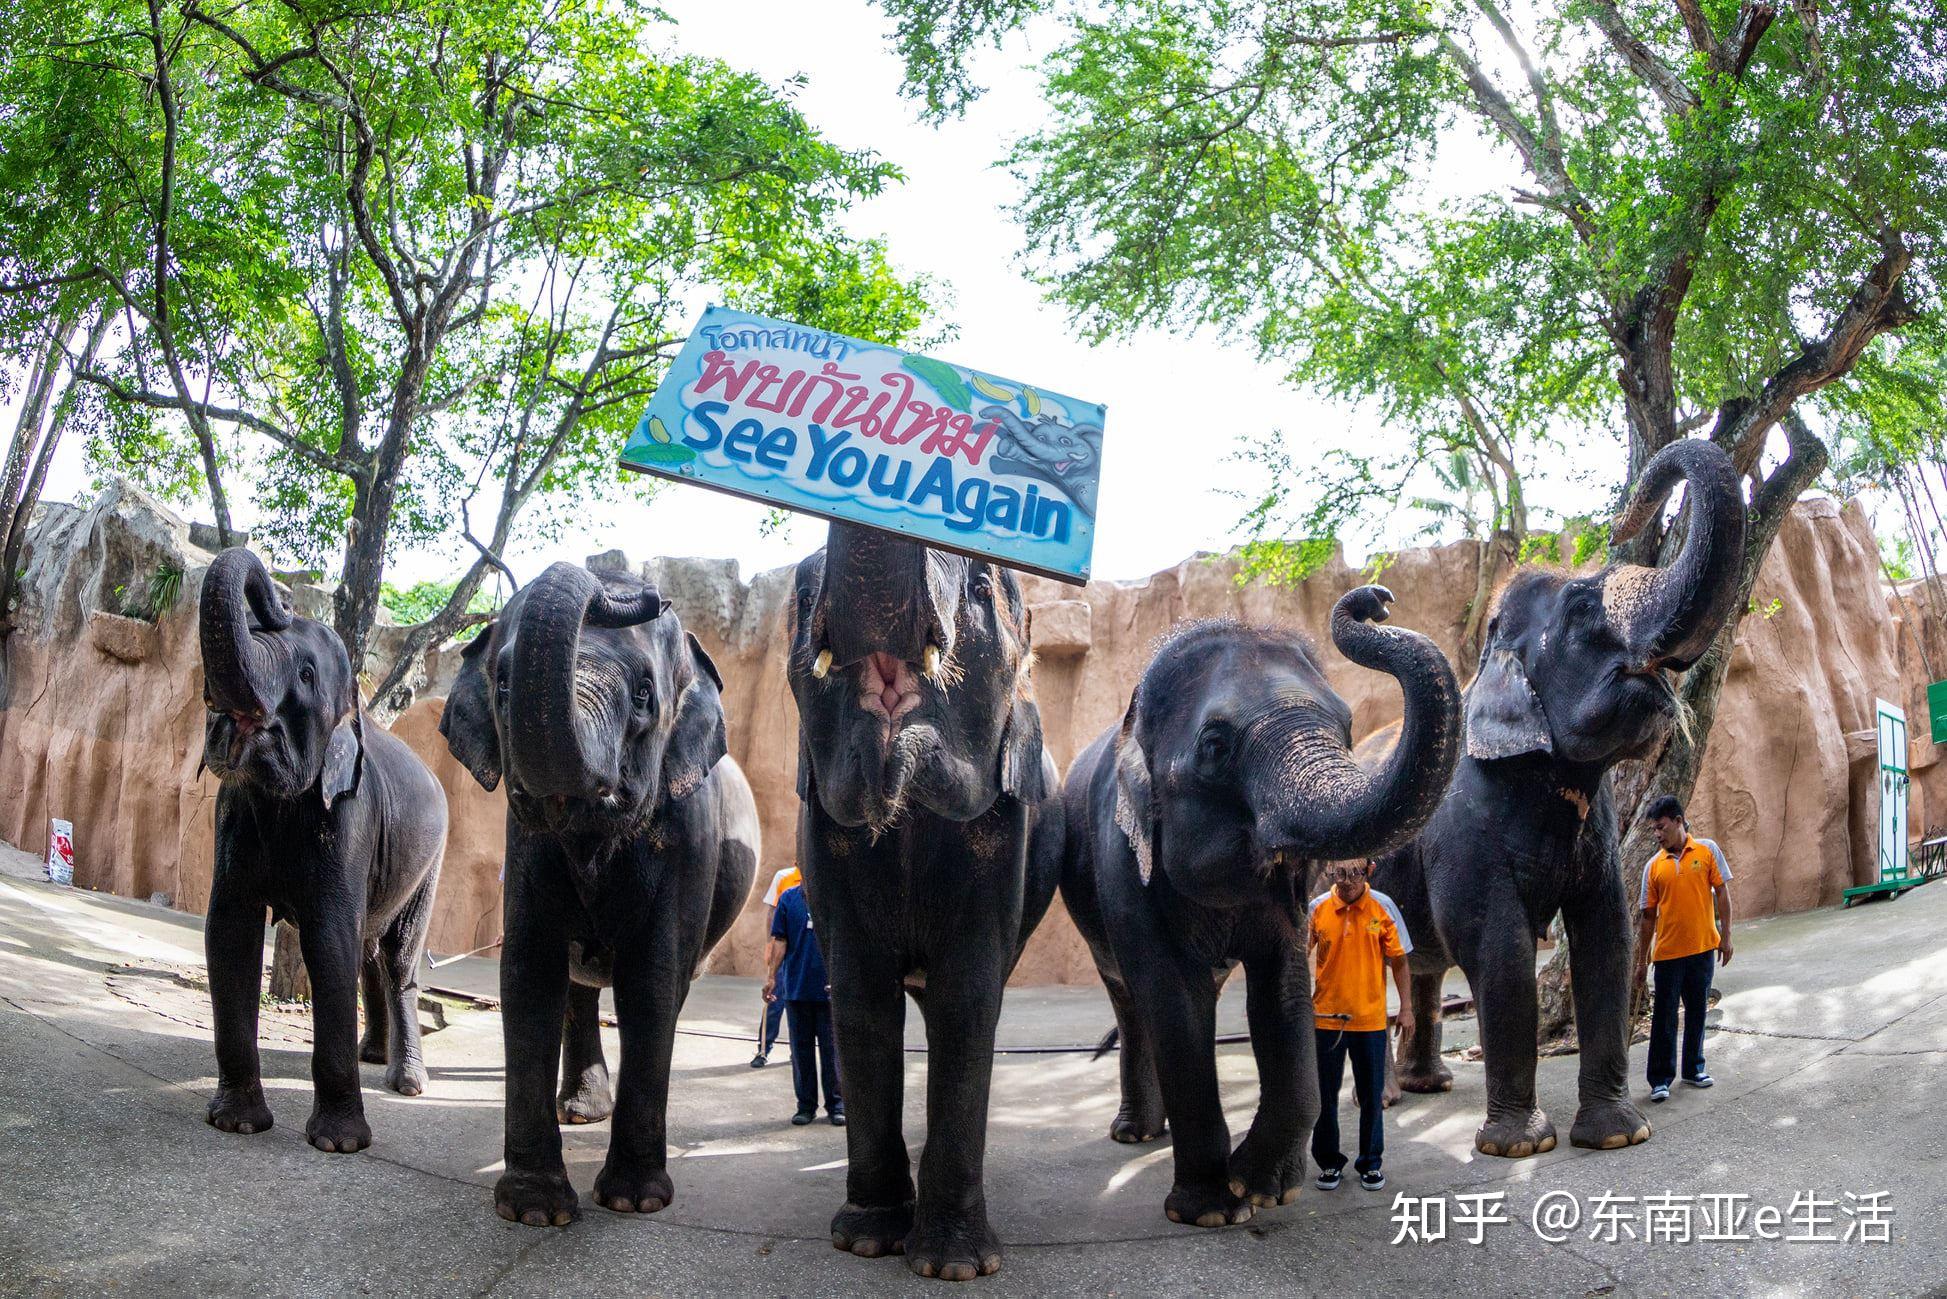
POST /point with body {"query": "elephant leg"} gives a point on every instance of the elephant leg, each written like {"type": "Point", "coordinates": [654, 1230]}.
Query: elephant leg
{"type": "Point", "coordinates": [372, 993]}
{"type": "Point", "coordinates": [1141, 1116]}
{"type": "Point", "coordinates": [649, 986]}
{"type": "Point", "coordinates": [233, 948]}
{"type": "Point", "coordinates": [1268, 1166]}
{"type": "Point", "coordinates": [533, 997]}
{"type": "Point", "coordinates": [869, 1016]}
{"type": "Point", "coordinates": [332, 958]}
{"type": "Point", "coordinates": [951, 1237]}
{"type": "Point", "coordinates": [1597, 923]}
{"type": "Point", "coordinates": [400, 953]}
{"type": "Point", "coordinates": [585, 1095]}
{"type": "Point", "coordinates": [1501, 970]}
{"type": "Point", "coordinates": [1419, 1067]}
{"type": "Point", "coordinates": [1179, 1007]}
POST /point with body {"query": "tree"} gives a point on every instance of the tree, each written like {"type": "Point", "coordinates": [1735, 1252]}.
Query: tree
{"type": "Point", "coordinates": [1696, 213]}
{"type": "Point", "coordinates": [397, 264]}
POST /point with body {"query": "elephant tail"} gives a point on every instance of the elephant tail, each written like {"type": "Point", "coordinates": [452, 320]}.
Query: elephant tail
{"type": "Point", "coordinates": [1108, 1043]}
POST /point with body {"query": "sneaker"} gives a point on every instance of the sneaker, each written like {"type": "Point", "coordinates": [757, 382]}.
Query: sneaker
{"type": "Point", "coordinates": [802, 1117]}
{"type": "Point", "coordinates": [1702, 1080]}
{"type": "Point", "coordinates": [838, 1118]}
{"type": "Point", "coordinates": [759, 1060]}
{"type": "Point", "coordinates": [1328, 1179]}
{"type": "Point", "coordinates": [1374, 1180]}
{"type": "Point", "coordinates": [1660, 1093]}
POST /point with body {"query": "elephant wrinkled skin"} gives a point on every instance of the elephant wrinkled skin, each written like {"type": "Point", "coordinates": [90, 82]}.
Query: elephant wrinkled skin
{"type": "Point", "coordinates": [631, 842]}
{"type": "Point", "coordinates": [1575, 676]}
{"type": "Point", "coordinates": [1192, 828]}
{"type": "Point", "coordinates": [334, 825]}
{"type": "Point", "coordinates": [929, 837]}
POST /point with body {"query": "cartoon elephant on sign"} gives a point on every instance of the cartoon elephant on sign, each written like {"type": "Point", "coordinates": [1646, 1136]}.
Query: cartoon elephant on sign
{"type": "Point", "coordinates": [631, 842]}
{"type": "Point", "coordinates": [1057, 453]}
{"type": "Point", "coordinates": [930, 837]}
{"type": "Point", "coordinates": [334, 825]}
{"type": "Point", "coordinates": [1575, 676]}
{"type": "Point", "coordinates": [1191, 830]}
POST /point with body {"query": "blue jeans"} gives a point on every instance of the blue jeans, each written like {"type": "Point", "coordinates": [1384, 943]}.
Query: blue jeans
{"type": "Point", "coordinates": [814, 1056]}
{"type": "Point", "coordinates": [1685, 980]}
{"type": "Point", "coordinates": [1368, 1054]}
{"type": "Point", "coordinates": [773, 1017]}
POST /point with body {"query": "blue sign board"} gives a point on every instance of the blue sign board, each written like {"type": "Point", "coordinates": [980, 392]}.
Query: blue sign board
{"type": "Point", "coordinates": [850, 430]}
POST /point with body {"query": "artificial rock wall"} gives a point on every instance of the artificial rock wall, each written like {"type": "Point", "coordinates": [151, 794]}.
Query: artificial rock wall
{"type": "Point", "coordinates": [101, 720]}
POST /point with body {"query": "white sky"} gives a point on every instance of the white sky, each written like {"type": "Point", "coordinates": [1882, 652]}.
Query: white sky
{"type": "Point", "coordinates": [1177, 407]}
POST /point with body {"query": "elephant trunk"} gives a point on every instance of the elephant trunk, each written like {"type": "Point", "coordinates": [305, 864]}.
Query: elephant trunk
{"type": "Point", "coordinates": [1332, 807]}
{"type": "Point", "coordinates": [882, 594]}
{"type": "Point", "coordinates": [556, 728]}
{"type": "Point", "coordinates": [237, 665]}
{"type": "Point", "coordinates": [1669, 616]}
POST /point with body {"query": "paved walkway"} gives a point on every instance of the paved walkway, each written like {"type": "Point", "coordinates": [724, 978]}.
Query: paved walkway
{"type": "Point", "coordinates": [1829, 1053]}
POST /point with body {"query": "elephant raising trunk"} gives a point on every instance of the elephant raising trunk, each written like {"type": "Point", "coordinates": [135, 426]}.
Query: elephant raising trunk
{"type": "Point", "coordinates": [1323, 804]}
{"type": "Point", "coordinates": [238, 665]}
{"type": "Point", "coordinates": [1670, 616]}
{"type": "Point", "coordinates": [558, 743]}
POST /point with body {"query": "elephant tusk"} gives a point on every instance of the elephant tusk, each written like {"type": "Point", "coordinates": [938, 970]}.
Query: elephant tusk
{"type": "Point", "coordinates": [930, 662]}
{"type": "Point", "coordinates": [822, 665]}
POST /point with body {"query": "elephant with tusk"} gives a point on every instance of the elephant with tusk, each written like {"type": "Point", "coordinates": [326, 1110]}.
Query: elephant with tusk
{"type": "Point", "coordinates": [333, 824]}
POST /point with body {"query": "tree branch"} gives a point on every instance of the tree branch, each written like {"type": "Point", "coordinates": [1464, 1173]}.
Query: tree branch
{"type": "Point", "coordinates": [1676, 97]}
{"type": "Point", "coordinates": [229, 415]}
{"type": "Point", "coordinates": [1543, 166]}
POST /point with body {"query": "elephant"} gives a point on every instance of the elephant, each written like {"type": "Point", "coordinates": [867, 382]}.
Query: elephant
{"type": "Point", "coordinates": [1192, 828]}
{"type": "Point", "coordinates": [330, 822]}
{"type": "Point", "coordinates": [929, 835]}
{"type": "Point", "coordinates": [1575, 676]}
{"type": "Point", "coordinates": [632, 838]}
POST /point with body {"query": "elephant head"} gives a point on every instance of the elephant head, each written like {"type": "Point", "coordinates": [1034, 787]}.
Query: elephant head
{"type": "Point", "coordinates": [912, 671]}
{"type": "Point", "coordinates": [1234, 767]}
{"type": "Point", "coordinates": [282, 698]}
{"type": "Point", "coordinates": [586, 693]}
{"type": "Point", "coordinates": [1580, 668]}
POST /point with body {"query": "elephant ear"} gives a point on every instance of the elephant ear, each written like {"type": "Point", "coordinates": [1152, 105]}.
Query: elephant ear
{"type": "Point", "coordinates": [1504, 717]}
{"type": "Point", "coordinates": [468, 721]}
{"type": "Point", "coordinates": [344, 757]}
{"type": "Point", "coordinates": [1021, 770]}
{"type": "Point", "coordinates": [1133, 813]}
{"type": "Point", "coordinates": [696, 740]}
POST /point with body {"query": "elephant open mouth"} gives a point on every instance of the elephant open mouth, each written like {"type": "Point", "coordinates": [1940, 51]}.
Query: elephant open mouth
{"type": "Point", "coordinates": [888, 689]}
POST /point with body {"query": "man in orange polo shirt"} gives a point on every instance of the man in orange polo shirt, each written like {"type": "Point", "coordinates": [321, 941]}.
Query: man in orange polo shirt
{"type": "Point", "coordinates": [1356, 935]}
{"type": "Point", "coordinates": [1686, 929]}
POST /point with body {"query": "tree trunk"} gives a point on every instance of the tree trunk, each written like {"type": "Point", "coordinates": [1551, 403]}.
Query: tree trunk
{"type": "Point", "coordinates": [289, 981]}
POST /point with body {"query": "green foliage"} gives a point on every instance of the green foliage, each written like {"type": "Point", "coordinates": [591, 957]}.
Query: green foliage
{"type": "Point", "coordinates": [1656, 202]}
{"type": "Point", "coordinates": [1591, 545]}
{"type": "Point", "coordinates": [1897, 559]}
{"type": "Point", "coordinates": [164, 588]}
{"type": "Point", "coordinates": [1540, 548]}
{"type": "Point", "coordinates": [421, 600]}
{"type": "Point", "coordinates": [1377, 564]}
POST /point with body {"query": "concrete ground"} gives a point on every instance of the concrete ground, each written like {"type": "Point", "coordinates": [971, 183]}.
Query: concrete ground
{"type": "Point", "coordinates": [1828, 1052]}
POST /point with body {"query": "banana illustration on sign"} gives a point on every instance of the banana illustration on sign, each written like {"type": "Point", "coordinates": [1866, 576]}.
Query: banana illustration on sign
{"type": "Point", "coordinates": [989, 389]}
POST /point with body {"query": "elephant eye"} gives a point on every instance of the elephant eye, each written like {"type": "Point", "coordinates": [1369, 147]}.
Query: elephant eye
{"type": "Point", "coordinates": [1215, 746]}
{"type": "Point", "coordinates": [645, 693]}
{"type": "Point", "coordinates": [305, 674]}
{"type": "Point", "coordinates": [984, 587]}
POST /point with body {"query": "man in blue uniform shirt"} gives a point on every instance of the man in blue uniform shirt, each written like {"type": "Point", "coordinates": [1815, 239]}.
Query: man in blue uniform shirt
{"type": "Point", "coordinates": [797, 979]}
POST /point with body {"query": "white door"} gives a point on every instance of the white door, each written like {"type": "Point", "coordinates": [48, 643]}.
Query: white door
{"type": "Point", "coordinates": [1893, 782]}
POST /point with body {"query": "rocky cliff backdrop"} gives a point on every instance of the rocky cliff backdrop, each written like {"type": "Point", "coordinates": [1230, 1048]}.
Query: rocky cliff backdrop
{"type": "Point", "coordinates": [101, 720]}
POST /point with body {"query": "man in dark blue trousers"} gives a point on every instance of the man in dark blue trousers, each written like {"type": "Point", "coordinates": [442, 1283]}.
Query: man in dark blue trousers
{"type": "Point", "coordinates": [798, 980]}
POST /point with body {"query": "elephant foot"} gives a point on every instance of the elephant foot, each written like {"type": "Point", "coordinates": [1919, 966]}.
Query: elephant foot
{"type": "Point", "coordinates": [371, 1049]}
{"type": "Point", "coordinates": [536, 1199]}
{"type": "Point", "coordinates": [1609, 1125]}
{"type": "Point", "coordinates": [1435, 1077]}
{"type": "Point", "coordinates": [1516, 1136]}
{"type": "Point", "coordinates": [1215, 1205]}
{"type": "Point", "coordinates": [240, 1110]}
{"type": "Point", "coordinates": [956, 1246]}
{"type": "Point", "coordinates": [408, 1077]}
{"type": "Point", "coordinates": [340, 1130]}
{"type": "Point", "coordinates": [625, 1187]}
{"type": "Point", "coordinates": [1264, 1178]}
{"type": "Point", "coordinates": [872, 1230]}
{"type": "Point", "coordinates": [1137, 1122]}
{"type": "Point", "coordinates": [590, 1101]}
